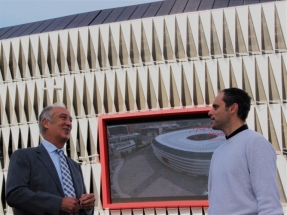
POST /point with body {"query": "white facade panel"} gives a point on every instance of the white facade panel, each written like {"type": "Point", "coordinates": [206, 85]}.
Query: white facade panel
{"type": "Point", "coordinates": [170, 25]}
{"type": "Point", "coordinates": [276, 65]}
{"type": "Point", "coordinates": [147, 30]}
{"type": "Point", "coordinates": [193, 19]}
{"type": "Point", "coordinates": [281, 8]}
{"type": "Point", "coordinates": [250, 70]}
{"type": "Point", "coordinates": [236, 64]}
{"type": "Point", "coordinates": [126, 31]}
{"type": "Point", "coordinates": [268, 10]}
{"type": "Point", "coordinates": [242, 14]}
{"type": "Point", "coordinates": [224, 66]}
{"type": "Point", "coordinates": [182, 23]}
{"type": "Point", "coordinates": [255, 12]}
{"type": "Point", "coordinates": [154, 74]}
{"type": "Point", "coordinates": [205, 18]}
{"type": "Point", "coordinates": [212, 71]}
{"type": "Point", "coordinates": [262, 64]}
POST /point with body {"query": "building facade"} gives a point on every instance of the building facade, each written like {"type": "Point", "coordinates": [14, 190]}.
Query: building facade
{"type": "Point", "coordinates": [174, 60]}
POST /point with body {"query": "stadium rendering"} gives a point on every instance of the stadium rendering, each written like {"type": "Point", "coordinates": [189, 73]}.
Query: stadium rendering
{"type": "Point", "coordinates": [166, 55]}
{"type": "Point", "coordinates": [187, 151]}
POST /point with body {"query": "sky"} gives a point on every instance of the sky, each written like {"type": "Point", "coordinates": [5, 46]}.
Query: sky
{"type": "Point", "coordinates": [15, 12]}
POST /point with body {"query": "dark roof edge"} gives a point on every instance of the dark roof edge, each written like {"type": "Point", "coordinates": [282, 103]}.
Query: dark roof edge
{"type": "Point", "coordinates": [153, 9]}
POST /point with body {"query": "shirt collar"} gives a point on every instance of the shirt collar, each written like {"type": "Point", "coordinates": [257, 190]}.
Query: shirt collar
{"type": "Point", "coordinates": [49, 146]}
{"type": "Point", "coordinates": [238, 130]}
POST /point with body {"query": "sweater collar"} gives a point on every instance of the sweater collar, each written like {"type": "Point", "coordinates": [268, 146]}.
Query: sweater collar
{"type": "Point", "coordinates": [238, 130]}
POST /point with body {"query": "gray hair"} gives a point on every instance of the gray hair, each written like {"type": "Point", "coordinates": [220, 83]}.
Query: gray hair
{"type": "Point", "coordinates": [48, 115]}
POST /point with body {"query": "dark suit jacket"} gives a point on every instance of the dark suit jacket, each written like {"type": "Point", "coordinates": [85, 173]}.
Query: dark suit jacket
{"type": "Point", "coordinates": [33, 186]}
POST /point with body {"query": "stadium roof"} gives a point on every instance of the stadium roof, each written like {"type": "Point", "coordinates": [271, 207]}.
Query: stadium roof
{"type": "Point", "coordinates": [132, 12]}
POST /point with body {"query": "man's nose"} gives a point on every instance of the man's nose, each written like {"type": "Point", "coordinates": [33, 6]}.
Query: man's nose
{"type": "Point", "coordinates": [69, 122]}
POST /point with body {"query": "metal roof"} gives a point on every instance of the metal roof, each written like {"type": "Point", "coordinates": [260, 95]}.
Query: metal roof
{"type": "Point", "coordinates": [132, 12]}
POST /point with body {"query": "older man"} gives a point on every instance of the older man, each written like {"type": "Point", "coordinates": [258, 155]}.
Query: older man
{"type": "Point", "coordinates": [242, 178]}
{"type": "Point", "coordinates": [42, 180]}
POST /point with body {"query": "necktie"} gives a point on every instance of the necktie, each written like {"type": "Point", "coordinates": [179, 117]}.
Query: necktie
{"type": "Point", "coordinates": [68, 188]}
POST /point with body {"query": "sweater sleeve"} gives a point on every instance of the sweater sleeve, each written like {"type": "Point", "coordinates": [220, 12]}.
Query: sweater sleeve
{"type": "Point", "coordinates": [261, 159]}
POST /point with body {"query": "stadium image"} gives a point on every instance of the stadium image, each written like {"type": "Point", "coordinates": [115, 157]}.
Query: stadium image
{"type": "Point", "coordinates": [188, 151]}
{"type": "Point", "coordinates": [145, 156]}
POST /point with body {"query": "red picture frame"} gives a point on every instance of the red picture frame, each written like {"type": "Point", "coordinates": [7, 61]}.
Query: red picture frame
{"type": "Point", "coordinates": [141, 116]}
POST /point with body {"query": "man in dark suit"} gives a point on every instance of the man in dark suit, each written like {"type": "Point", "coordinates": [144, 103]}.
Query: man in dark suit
{"type": "Point", "coordinates": [35, 183]}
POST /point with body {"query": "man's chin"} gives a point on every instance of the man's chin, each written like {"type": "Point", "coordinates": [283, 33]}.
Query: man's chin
{"type": "Point", "coordinates": [214, 127]}
{"type": "Point", "coordinates": [66, 137]}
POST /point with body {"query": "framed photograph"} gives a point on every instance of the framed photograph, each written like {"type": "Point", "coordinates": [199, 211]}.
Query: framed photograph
{"type": "Point", "coordinates": [156, 158]}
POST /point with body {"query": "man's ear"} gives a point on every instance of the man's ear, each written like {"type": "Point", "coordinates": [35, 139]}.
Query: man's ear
{"type": "Point", "coordinates": [234, 108]}
{"type": "Point", "coordinates": [45, 123]}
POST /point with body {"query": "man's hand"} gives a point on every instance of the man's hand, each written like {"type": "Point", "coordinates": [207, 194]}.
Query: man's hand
{"type": "Point", "coordinates": [87, 201]}
{"type": "Point", "coordinates": [70, 205]}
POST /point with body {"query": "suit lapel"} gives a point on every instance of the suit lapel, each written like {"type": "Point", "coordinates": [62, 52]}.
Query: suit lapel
{"type": "Point", "coordinates": [47, 161]}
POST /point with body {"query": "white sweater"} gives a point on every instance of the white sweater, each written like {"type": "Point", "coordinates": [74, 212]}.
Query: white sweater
{"type": "Point", "coordinates": [242, 177]}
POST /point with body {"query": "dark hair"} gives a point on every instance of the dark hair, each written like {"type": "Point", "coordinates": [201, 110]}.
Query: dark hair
{"type": "Point", "coordinates": [240, 97]}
